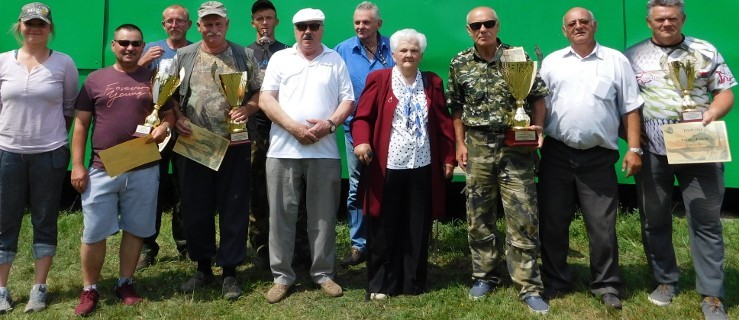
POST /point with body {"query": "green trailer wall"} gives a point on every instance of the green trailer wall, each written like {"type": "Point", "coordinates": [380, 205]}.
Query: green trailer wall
{"type": "Point", "coordinates": [84, 29]}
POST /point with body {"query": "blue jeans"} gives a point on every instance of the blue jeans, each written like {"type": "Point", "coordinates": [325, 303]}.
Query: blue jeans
{"type": "Point", "coordinates": [353, 207]}
{"type": "Point", "coordinates": [35, 179]}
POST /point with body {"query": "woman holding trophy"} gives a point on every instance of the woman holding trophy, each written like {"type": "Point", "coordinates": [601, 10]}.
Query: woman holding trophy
{"type": "Point", "coordinates": [38, 87]}
{"type": "Point", "coordinates": [402, 119]}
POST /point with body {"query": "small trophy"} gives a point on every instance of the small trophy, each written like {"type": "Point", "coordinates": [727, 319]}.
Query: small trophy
{"type": "Point", "coordinates": [233, 87]}
{"type": "Point", "coordinates": [519, 74]}
{"type": "Point", "coordinates": [683, 76]}
{"type": "Point", "coordinates": [162, 87]}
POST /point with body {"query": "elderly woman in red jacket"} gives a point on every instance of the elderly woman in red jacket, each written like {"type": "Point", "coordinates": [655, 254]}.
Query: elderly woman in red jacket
{"type": "Point", "coordinates": [403, 134]}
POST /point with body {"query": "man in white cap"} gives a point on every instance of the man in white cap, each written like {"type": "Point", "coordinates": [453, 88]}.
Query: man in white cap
{"type": "Point", "coordinates": [306, 92]}
{"type": "Point", "coordinates": [205, 191]}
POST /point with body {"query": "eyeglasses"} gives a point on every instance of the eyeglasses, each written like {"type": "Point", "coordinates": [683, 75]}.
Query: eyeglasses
{"type": "Point", "coordinates": [179, 22]}
{"type": "Point", "coordinates": [477, 25]}
{"type": "Point", "coordinates": [583, 22]}
{"type": "Point", "coordinates": [126, 43]}
{"type": "Point", "coordinates": [303, 26]}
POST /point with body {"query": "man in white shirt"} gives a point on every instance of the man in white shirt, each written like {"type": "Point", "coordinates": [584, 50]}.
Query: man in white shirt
{"type": "Point", "coordinates": [306, 93]}
{"type": "Point", "coordinates": [593, 91]}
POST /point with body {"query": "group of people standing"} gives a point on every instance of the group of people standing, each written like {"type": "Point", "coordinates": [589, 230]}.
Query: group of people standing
{"type": "Point", "coordinates": [404, 134]}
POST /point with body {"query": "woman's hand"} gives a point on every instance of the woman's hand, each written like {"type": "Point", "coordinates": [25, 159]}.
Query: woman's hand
{"type": "Point", "coordinates": [448, 170]}
{"type": "Point", "coordinates": [364, 153]}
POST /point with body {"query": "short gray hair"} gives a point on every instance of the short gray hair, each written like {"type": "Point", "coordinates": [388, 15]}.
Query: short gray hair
{"type": "Point", "coordinates": [407, 34]}
{"type": "Point", "coordinates": [590, 14]}
{"type": "Point", "coordinates": [369, 6]}
{"type": "Point", "coordinates": [680, 4]}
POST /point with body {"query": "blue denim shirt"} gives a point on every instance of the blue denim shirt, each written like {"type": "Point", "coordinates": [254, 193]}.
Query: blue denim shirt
{"type": "Point", "coordinates": [360, 66]}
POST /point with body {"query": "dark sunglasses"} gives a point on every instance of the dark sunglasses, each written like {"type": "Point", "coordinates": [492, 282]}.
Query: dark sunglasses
{"type": "Point", "coordinates": [477, 25]}
{"type": "Point", "coordinates": [303, 26]}
{"type": "Point", "coordinates": [126, 43]}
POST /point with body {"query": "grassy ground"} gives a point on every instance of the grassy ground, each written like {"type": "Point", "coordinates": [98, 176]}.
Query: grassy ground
{"type": "Point", "coordinates": [448, 284]}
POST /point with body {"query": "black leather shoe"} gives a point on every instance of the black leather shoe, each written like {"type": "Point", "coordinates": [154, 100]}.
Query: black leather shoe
{"type": "Point", "coordinates": [354, 258]}
{"type": "Point", "coordinates": [611, 300]}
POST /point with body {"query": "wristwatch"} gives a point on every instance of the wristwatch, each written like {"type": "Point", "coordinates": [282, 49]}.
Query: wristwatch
{"type": "Point", "coordinates": [636, 150]}
{"type": "Point", "coordinates": [333, 126]}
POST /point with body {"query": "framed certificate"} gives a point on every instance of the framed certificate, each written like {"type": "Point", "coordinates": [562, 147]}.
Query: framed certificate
{"type": "Point", "coordinates": [691, 142]}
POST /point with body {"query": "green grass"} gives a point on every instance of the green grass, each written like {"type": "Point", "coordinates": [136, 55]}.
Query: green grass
{"type": "Point", "coordinates": [448, 283]}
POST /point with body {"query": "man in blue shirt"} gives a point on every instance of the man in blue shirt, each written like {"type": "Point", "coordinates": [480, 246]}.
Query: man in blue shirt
{"type": "Point", "coordinates": [364, 53]}
{"type": "Point", "coordinates": [158, 55]}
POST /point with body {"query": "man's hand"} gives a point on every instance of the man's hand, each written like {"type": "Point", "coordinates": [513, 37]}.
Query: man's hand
{"type": "Point", "coordinates": [448, 170]}
{"type": "Point", "coordinates": [238, 114]}
{"type": "Point", "coordinates": [158, 134]}
{"type": "Point", "coordinates": [319, 128]}
{"type": "Point", "coordinates": [462, 156]}
{"type": "Point", "coordinates": [183, 126]}
{"type": "Point", "coordinates": [631, 164]}
{"type": "Point", "coordinates": [364, 153]}
{"type": "Point", "coordinates": [152, 54]}
{"type": "Point", "coordinates": [303, 134]}
{"type": "Point", "coordinates": [79, 178]}
{"type": "Point", "coordinates": [539, 135]}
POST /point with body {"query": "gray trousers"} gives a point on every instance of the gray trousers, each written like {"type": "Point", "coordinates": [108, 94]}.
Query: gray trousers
{"type": "Point", "coordinates": [284, 189]}
{"type": "Point", "coordinates": [702, 188]}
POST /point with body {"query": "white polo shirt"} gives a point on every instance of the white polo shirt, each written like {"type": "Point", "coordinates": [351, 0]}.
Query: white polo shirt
{"type": "Point", "coordinates": [306, 90]}
{"type": "Point", "coordinates": [588, 96]}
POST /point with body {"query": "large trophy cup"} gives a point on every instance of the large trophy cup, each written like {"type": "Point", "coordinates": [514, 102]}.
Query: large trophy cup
{"type": "Point", "coordinates": [682, 74]}
{"type": "Point", "coordinates": [519, 74]}
{"type": "Point", "coordinates": [233, 87]}
{"type": "Point", "coordinates": [162, 87]}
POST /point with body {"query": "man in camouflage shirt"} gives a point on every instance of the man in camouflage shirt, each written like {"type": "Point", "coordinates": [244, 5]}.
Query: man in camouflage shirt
{"type": "Point", "coordinates": [481, 109]}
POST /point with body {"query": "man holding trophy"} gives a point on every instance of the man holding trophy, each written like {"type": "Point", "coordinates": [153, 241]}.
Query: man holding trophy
{"type": "Point", "coordinates": [701, 184]}
{"type": "Point", "coordinates": [218, 76]}
{"type": "Point", "coordinates": [593, 92]}
{"type": "Point", "coordinates": [482, 111]}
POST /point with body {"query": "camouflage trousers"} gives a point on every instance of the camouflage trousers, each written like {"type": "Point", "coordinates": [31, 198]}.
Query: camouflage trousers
{"type": "Point", "coordinates": [259, 207]}
{"type": "Point", "coordinates": [494, 170]}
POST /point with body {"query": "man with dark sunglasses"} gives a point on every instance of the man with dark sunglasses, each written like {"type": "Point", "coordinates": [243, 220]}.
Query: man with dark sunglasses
{"type": "Point", "coordinates": [115, 100]}
{"type": "Point", "coordinates": [306, 92]}
{"type": "Point", "coordinates": [366, 52]}
{"type": "Point", "coordinates": [481, 109]}
{"type": "Point", "coordinates": [158, 55]}
{"type": "Point", "coordinates": [205, 191]}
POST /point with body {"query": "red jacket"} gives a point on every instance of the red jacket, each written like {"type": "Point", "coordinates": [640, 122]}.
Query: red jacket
{"type": "Point", "coordinates": [373, 122]}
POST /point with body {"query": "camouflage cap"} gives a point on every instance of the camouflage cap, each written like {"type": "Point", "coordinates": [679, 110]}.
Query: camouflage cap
{"type": "Point", "coordinates": [35, 10]}
{"type": "Point", "coordinates": [212, 7]}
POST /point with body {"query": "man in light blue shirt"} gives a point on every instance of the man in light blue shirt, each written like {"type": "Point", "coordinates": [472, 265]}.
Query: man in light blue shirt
{"type": "Point", "coordinates": [366, 52]}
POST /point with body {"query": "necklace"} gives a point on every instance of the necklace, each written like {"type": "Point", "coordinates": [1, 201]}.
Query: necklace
{"type": "Point", "coordinates": [374, 52]}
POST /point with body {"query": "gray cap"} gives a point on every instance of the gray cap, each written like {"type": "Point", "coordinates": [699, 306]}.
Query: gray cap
{"type": "Point", "coordinates": [35, 10]}
{"type": "Point", "coordinates": [211, 7]}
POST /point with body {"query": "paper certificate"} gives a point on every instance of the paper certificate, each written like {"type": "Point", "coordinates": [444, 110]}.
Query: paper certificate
{"type": "Point", "coordinates": [691, 142]}
{"type": "Point", "coordinates": [203, 147]}
{"type": "Point", "coordinates": [128, 155]}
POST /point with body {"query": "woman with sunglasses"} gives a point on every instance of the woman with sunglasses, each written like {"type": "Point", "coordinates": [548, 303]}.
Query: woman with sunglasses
{"type": "Point", "coordinates": [403, 133]}
{"type": "Point", "coordinates": [38, 87]}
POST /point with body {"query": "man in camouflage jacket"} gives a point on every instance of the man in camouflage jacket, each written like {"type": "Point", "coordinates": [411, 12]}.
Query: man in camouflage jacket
{"type": "Point", "coordinates": [481, 107]}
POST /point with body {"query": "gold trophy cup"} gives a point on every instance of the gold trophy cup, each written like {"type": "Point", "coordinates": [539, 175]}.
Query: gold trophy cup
{"type": "Point", "coordinates": [233, 87]}
{"type": "Point", "coordinates": [520, 76]}
{"type": "Point", "coordinates": [162, 87]}
{"type": "Point", "coordinates": [682, 74]}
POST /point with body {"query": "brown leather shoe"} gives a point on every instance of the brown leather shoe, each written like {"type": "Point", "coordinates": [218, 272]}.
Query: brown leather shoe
{"type": "Point", "coordinates": [277, 293]}
{"type": "Point", "coordinates": [331, 289]}
{"type": "Point", "coordinates": [354, 258]}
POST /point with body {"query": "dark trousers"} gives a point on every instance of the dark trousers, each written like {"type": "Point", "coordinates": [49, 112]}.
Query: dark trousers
{"type": "Point", "coordinates": [702, 189]}
{"type": "Point", "coordinates": [569, 176]}
{"type": "Point", "coordinates": [226, 191]}
{"type": "Point", "coordinates": [168, 184]}
{"type": "Point", "coordinates": [398, 240]}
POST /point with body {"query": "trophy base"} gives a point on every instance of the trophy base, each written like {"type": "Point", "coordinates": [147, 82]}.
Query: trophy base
{"type": "Point", "coordinates": [239, 138]}
{"type": "Point", "coordinates": [691, 116]}
{"type": "Point", "coordinates": [142, 131]}
{"type": "Point", "coordinates": [521, 138]}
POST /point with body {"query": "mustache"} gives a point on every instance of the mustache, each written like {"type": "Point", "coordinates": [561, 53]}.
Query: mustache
{"type": "Point", "coordinates": [210, 34]}
{"type": "Point", "coordinates": [307, 37]}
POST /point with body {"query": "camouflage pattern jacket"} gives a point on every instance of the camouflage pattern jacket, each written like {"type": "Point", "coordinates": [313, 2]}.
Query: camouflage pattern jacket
{"type": "Point", "coordinates": [476, 87]}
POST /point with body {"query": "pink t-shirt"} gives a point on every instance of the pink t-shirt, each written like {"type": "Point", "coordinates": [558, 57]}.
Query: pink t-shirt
{"type": "Point", "coordinates": [119, 102]}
